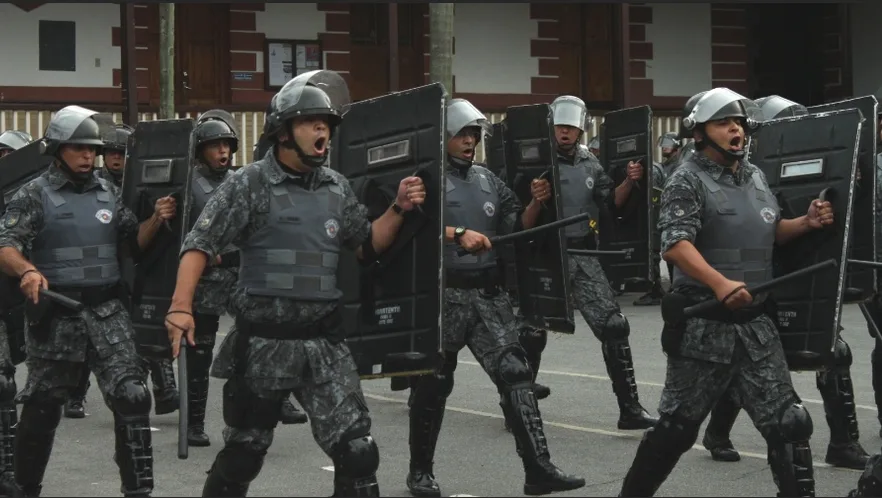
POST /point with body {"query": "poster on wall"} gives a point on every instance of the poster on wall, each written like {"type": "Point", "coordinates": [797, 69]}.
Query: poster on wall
{"type": "Point", "coordinates": [285, 59]}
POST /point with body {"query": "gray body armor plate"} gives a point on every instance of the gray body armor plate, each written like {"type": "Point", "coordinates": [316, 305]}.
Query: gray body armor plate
{"type": "Point", "coordinates": [474, 205]}
{"type": "Point", "coordinates": [295, 254]}
{"type": "Point", "coordinates": [577, 196]}
{"type": "Point", "coordinates": [738, 229]}
{"type": "Point", "coordinates": [77, 245]}
{"type": "Point", "coordinates": [201, 188]}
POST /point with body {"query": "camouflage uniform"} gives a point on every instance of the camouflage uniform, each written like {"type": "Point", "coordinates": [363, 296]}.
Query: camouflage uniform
{"type": "Point", "coordinates": [593, 296]}
{"type": "Point", "coordinates": [161, 371]}
{"type": "Point", "coordinates": [261, 371]}
{"type": "Point", "coordinates": [100, 338]}
{"type": "Point", "coordinates": [654, 295]}
{"type": "Point", "coordinates": [875, 306]}
{"type": "Point", "coordinates": [716, 356]}
{"type": "Point", "coordinates": [8, 413]}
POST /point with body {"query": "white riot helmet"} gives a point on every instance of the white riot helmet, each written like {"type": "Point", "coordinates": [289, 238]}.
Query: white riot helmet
{"type": "Point", "coordinates": [567, 110]}
{"type": "Point", "coordinates": [462, 114]}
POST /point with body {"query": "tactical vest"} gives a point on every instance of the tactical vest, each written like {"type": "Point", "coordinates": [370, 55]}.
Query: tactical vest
{"type": "Point", "coordinates": [738, 229]}
{"type": "Point", "coordinates": [474, 205]}
{"type": "Point", "coordinates": [201, 188]}
{"type": "Point", "coordinates": [77, 245]}
{"type": "Point", "coordinates": [577, 197]}
{"type": "Point", "coordinates": [295, 254]}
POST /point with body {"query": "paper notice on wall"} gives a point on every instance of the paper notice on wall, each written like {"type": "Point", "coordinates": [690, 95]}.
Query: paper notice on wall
{"type": "Point", "coordinates": [301, 56]}
{"type": "Point", "coordinates": [281, 63]}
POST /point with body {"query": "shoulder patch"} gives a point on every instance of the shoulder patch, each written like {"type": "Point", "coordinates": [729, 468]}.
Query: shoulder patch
{"type": "Point", "coordinates": [11, 218]}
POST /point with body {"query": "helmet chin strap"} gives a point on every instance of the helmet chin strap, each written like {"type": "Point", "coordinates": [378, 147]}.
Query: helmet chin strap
{"type": "Point", "coordinates": [73, 175]}
{"type": "Point", "coordinates": [459, 163]}
{"type": "Point", "coordinates": [731, 155]}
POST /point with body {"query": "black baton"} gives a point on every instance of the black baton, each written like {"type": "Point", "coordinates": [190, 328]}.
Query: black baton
{"type": "Point", "coordinates": [870, 322]}
{"type": "Point", "coordinates": [502, 239]}
{"type": "Point", "coordinates": [710, 304]}
{"type": "Point", "coordinates": [62, 300]}
{"type": "Point", "coordinates": [184, 400]}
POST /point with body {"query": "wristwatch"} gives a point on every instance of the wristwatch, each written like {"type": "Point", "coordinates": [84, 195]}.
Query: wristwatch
{"type": "Point", "coordinates": [397, 208]}
{"type": "Point", "coordinates": [457, 233]}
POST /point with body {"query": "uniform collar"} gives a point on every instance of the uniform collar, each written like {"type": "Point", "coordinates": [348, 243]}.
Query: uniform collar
{"type": "Point", "coordinates": [58, 179]}
{"type": "Point", "coordinates": [277, 174]}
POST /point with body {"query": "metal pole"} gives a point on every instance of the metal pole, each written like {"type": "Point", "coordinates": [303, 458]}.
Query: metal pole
{"type": "Point", "coordinates": [441, 44]}
{"type": "Point", "coordinates": [166, 61]}
{"type": "Point", "coordinates": [127, 55]}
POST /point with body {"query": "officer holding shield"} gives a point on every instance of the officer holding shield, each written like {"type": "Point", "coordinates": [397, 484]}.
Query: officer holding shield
{"type": "Point", "coordinates": [70, 224]}
{"type": "Point", "coordinates": [834, 383]}
{"type": "Point", "coordinates": [12, 140]}
{"type": "Point", "coordinates": [735, 346]}
{"type": "Point", "coordinates": [587, 188]}
{"type": "Point", "coordinates": [290, 216]}
{"type": "Point", "coordinates": [478, 313]}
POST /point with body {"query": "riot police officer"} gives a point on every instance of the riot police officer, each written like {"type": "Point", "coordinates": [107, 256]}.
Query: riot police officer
{"type": "Point", "coordinates": [290, 216]}
{"type": "Point", "coordinates": [834, 383]}
{"type": "Point", "coordinates": [585, 187]}
{"type": "Point", "coordinates": [875, 304]}
{"type": "Point", "coordinates": [593, 144]}
{"type": "Point", "coordinates": [668, 147]}
{"type": "Point", "coordinates": [70, 224]}
{"type": "Point", "coordinates": [116, 140]}
{"type": "Point", "coordinates": [722, 350]}
{"type": "Point", "coordinates": [479, 314]}
{"type": "Point", "coordinates": [165, 391]}
{"type": "Point", "coordinates": [11, 342]}
{"type": "Point", "coordinates": [12, 140]}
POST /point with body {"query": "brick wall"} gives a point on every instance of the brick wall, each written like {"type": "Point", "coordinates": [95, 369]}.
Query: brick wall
{"type": "Point", "coordinates": [836, 58]}
{"type": "Point", "coordinates": [729, 53]}
{"type": "Point", "coordinates": [146, 22]}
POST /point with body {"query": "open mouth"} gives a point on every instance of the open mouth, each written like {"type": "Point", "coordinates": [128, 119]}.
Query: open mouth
{"type": "Point", "coordinates": [735, 143]}
{"type": "Point", "coordinates": [223, 161]}
{"type": "Point", "coordinates": [320, 146]}
{"type": "Point", "coordinates": [468, 153]}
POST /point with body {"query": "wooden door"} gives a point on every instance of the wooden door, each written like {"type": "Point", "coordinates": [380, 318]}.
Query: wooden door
{"type": "Point", "coordinates": [598, 62]}
{"type": "Point", "coordinates": [202, 54]}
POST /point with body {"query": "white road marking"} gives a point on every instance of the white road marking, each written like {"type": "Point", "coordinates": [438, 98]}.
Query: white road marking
{"type": "Point", "coordinates": [640, 383]}
{"type": "Point", "coordinates": [329, 468]}
{"type": "Point", "coordinates": [636, 435]}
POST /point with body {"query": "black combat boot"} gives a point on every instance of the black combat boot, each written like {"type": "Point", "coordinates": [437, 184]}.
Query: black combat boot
{"type": "Point", "coordinates": [35, 437]}
{"type": "Point", "coordinates": [837, 391]}
{"type": "Point", "coordinates": [75, 406]}
{"type": "Point", "coordinates": [719, 429]}
{"type": "Point", "coordinates": [620, 367]}
{"type": "Point", "coordinates": [542, 477]}
{"type": "Point", "coordinates": [290, 413]}
{"type": "Point", "coordinates": [425, 426]}
{"type": "Point", "coordinates": [134, 454]}
{"type": "Point", "coordinates": [197, 391]}
{"type": "Point", "coordinates": [165, 390]}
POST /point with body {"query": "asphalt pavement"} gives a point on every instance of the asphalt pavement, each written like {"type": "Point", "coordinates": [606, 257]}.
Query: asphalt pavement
{"type": "Point", "coordinates": [475, 456]}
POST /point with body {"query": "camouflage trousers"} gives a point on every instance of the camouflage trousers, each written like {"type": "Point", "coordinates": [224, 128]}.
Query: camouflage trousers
{"type": "Point", "coordinates": [321, 374]}
{"type": "Point", "coordinates": [764, 387]}
{"type": "Point", "coordinates": [485, 322]}
{"type": "Point", "coordinates": [592, 293]}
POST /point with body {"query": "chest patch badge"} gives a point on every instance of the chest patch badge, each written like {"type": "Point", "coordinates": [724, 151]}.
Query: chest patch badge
{"type": "Point", "coordinates": [104, 216]}
{"type": "Point", "coordinates": [331, 228]}
{"type": "Point", "coordinates": [768, 214]}
{"type": "Point", "coordinates": [679, 212]}
{"type": "Point", "coordinates": [489, 209]}
{"type": "Point", "coordinates": [589, 182]}
{"type": "Point", "coordinates": [11, 219]}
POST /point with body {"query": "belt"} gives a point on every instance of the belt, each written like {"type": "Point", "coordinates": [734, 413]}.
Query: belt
{"type": "Point", "coordinates": [91, 296]}
{"type": "Point", "coordinates": [489, 279]}
{"type": "Point", "coordinates": [324, 327]}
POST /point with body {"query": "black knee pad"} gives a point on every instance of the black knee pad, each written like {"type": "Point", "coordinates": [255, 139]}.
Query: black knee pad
{"type": "Point", "coordinates": [357, 457]}
{"type": "Point", "coordinates": [430, 390]}
{"type": "Point", "coordinates": [238, 463]}
{"type": "Point", "coordinates": [616, 328]}
{"type": "Point", "coordinates": [131, 398]}
{"type": "Point", "coordinates": [512, 369]}
{"type": "Point", "coordinates": [841, 354]}
{"type": "Point", "coordinates": [533, 340]}
{"type": "Point", "coordinates": [795, 424]}
{"type": "Point", "coordinates": [674, 433]}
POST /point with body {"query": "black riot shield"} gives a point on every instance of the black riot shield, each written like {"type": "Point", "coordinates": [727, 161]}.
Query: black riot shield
{"type": "Point", "coordinates": [626, 135]}
{"type": "Point", "coordinates": [804, 158]}
{"type": "Point", "coordinates": [392, 308]}
{"type": "Point", "coordinates": [159, 163]}
{"type": "Point", "coordinates": [861, 282]}
{"type": "Point", "coordinates": [20, 167]}
{"type": "Point", "coordinates": [542, 264]}
{"type": "Point", "coordinates": [494, 149]}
